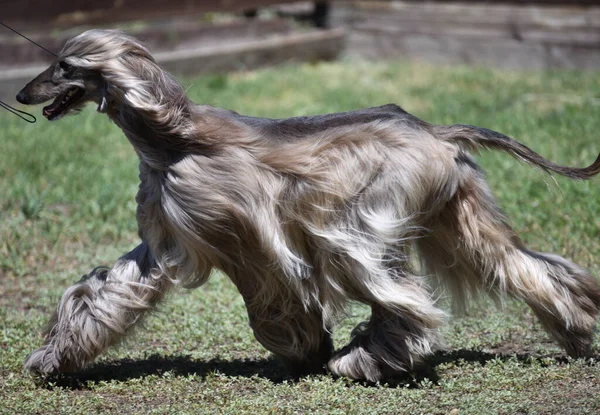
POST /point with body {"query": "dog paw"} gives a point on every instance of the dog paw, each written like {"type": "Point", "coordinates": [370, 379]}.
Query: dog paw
{"type": "Point", "coordinates": [51, 360]}
{"type": "Point", "coordinates": [355, 363]}
{"type": "Point", "coordinates": [43, 361]}
{"type": "Point", "coordinates": [576, 344]}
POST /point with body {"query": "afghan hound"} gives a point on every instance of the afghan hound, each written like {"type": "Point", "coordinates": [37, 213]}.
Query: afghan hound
{"type": "Point", "coordinates": [303, 214]}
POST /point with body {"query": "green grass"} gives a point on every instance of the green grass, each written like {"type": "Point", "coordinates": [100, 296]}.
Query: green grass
{"type": "Point", "coordinates": [67, 204]}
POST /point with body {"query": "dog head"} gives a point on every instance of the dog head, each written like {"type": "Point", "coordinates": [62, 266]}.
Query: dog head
{"type": "Point", "coordinates": [95, 66]}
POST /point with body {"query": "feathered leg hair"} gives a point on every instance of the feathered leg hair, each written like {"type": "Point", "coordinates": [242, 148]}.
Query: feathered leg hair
{"type": "Point", "coordinates": [98, 311]}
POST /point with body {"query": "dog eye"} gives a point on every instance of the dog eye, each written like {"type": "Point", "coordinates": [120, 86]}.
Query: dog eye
{"type": "Point", "coordinates": [65, 66]}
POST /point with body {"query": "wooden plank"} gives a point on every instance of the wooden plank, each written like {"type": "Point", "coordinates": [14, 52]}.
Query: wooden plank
{"type": "Point", "coordinates": [532, 35]}
{"type": "Point", "coordinates": [309, 46]}
{"type": "Point", "coordinates": [497, 53]}
{"type": "Point", "coordinates": [500, 35]}
{"type": "Point", "coordinates": [567, 26]}
{"type": "Point", "coordinates": [460, 12]}
{"type": "Point", "coordinates": [68, 13]}
{"type": "Point", "coordinates": [178, 34]}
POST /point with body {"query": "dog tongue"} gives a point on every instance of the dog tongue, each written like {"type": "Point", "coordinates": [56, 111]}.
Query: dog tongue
{"type": "Point", "coordinates": [49, 109]}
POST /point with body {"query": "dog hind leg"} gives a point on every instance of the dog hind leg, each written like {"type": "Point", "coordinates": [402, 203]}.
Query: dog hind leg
{"type": "Point", "coordinates": [98, 311]}
{"type": "Point", "coordinates": [402, 331]}
{"type": "Point", "coordinates": [471, 247]}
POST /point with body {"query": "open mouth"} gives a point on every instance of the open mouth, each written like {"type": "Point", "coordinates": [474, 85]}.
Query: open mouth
{"type": "Point", "coordinates": [62, 103]}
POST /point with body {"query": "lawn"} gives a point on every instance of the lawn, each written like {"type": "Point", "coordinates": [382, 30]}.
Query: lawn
{"type": "Point", "coordinates": [67, 204]}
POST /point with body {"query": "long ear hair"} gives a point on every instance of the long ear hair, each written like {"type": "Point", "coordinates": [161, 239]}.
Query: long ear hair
{"type": "Point", "coordinates": [132, 76]}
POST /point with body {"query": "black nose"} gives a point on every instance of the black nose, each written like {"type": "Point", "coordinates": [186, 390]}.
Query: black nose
{"type": "Point", "coordinates": [22, 98]}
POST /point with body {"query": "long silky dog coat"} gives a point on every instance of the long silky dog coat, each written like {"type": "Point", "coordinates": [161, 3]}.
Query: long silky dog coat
{"type": "Point", "coordinates": [303, 215]}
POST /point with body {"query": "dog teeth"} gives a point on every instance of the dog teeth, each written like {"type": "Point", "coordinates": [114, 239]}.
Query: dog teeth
{"type": "Point", "coordinates": [69, 94]}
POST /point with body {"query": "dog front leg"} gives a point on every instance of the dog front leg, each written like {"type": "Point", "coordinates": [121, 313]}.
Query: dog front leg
{"type": "Point", "coordinates": [98, 311]}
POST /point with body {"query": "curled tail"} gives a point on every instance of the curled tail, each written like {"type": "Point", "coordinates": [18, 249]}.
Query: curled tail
{"type": "Point", "coordinates": [475, 138]}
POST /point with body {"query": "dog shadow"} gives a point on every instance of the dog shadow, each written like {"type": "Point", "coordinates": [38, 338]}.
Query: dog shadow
{"type": "Point", "coordinates": [178, 365]}
{"type": "Point", "coordinates": [270, 369]}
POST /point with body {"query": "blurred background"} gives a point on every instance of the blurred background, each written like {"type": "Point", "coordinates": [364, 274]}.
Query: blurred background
{"type": "Point", "coordinates": [190, 37]}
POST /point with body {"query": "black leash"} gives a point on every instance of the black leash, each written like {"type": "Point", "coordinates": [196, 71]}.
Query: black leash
{"type": "Point", "coordinates": [25, 37]}
{"type": "Point", "coordinates": [30, 118]}
{"type": "Point", "coordinates": [22, 114]}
